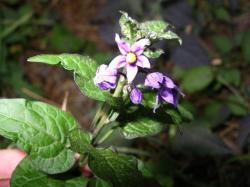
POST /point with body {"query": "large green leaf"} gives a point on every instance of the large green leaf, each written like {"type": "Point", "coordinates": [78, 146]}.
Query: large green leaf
{"type": "Point", "coordinates": [27, 175]}
{"type": "Point", "coordinates": [80, 141]}
{"type": "Point", "coordinates": [91, 90]}
{"type": "Point", "coordinates": [141, 127]}
{"type": "Point", "coordinates": [82, 65]}
{"type": "Point", "coordinates": [120, 170]}
{"type": "Point", "coordinates": [41, 130]}
{"type": "Point", "coordinates": [197, 78]}
{"type": "Point", "coordinates": [96, 182]}
{"type": "Point", "coordinates": [84, 69]}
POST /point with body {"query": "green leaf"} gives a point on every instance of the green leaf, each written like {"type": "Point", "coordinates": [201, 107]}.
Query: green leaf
{"type": "Point", "coordinates": [154, 30]}
{"type": "Point", "coordinates": [153, 54]}
{"type": "Point", "coordinates": [198, 78]}
{"type": "Point", "coordinates": [141, 127]}
{"type": "Point", "coordinates": [169, 35]}
{"type": "Point", "coordinates": [82, 65]}
{"type": "Point", "coordinates": [84, 71]}
{"type": "Point", "coordinates": [27, 175]}
{"type": "Point", "coordinates": [149, 99]}
{"type": "Point", "coordinates": [80, 141]}
{"type": "Point", "coordinates": [157, 30]}
{"type": "Point", "coordinates": [222, 43]}
{"type": "Point", "coordinates": [129, 27]}
{"type": "Point", "coordinates": [118, 169]}
{"type": "Point", "coordinates": [88, 87]}
{"type": "Point", "coordinates": [41, 130]}
{"type": "Point", "coordinates": [245, 46]}
{"type": "Point", "coordinates": [96, 182]}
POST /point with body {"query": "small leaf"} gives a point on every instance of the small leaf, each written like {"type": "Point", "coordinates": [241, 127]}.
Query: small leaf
{"type": "Point", "coordinates": [27, 175]}
{"type": "Point", "coordinates": [141, 127]}
{"type": "Point", "coordinates": [80, 141]}
{"type": "Point", "coordinates": [157, 30]}
{"type": "Point", "coordinates": [171, 35]}
{"type": "Point", "coordinates": [154, 28]}
{"type": "Point", "coordinates": [118, 169]}
{"type": "Point", "coordinates": [197, 78]}
{"type": "Point", "coordinates": [153, 54]}
{"type": "Point", "coordinates": [41, 130]}
{"type": "Point", "coordinates": [129, 27]}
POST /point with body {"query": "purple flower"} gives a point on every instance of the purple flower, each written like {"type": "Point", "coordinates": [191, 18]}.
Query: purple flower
{"type": "Point", "coordinates": [105, 77]}
{"type": "Point", "coordinates": [131, 57]}
{"type": "Point", "coordinates": [136, 96]}
{"type": "Point", "coordinates": [167, 90]}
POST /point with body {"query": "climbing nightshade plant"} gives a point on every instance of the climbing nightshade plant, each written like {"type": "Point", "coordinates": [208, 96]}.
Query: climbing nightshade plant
{"type": "Point", "coordinates": [52, 137]}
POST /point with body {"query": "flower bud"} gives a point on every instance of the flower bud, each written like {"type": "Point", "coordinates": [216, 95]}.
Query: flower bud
{"type": "Point", "coordinates": [136, 96]}
{"type": "Point", "coordinates": [105, 77]}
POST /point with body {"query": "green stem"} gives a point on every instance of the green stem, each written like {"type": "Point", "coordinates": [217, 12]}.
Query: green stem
{"type": "Point", "coordinates": [130, 150]}
{"type": "Point", "coordinates": [102, 114]}
{"type": "Point", "coordinates": [105, 137]}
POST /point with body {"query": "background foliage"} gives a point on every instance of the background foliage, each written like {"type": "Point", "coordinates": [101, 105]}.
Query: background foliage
{"type": "Point", "coordinates": [212, 68]}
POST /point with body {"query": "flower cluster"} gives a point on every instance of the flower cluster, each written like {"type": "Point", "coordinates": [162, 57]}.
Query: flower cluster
{"type": "Point", "coordinates": [131, 59]}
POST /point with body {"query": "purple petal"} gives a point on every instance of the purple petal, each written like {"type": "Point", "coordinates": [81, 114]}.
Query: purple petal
{"type": "Point", "coordinates": [154, 80]}
{"type": "Point", "coordinates": [118, 62]}
{"type": "Point", "coordinates": [131, 72]}
{"type": "Point", "coordinates": [139, 46]}
{"type": "Point", "coordinates": [168, 96]}
{"type": "Point", "coordinates": [136, 96]}
{"type": "Point", "coordinates": [105, 70]}
{"type": "Point", "coordinates": [123, 46]}
{"type": "Point", "coordinates": [143, 61]}
{"type": "Point", "coordinates": [168, 82]}
{"type": "Point", "coordinates": [106, 85]}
